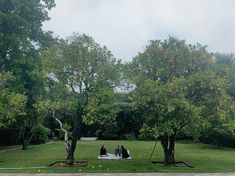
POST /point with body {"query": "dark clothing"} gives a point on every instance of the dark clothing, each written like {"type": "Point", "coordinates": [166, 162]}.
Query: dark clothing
{"type": "Point", "coordinates": [103, 151]}
{"type": "Point", "coordinates": [124, 153]}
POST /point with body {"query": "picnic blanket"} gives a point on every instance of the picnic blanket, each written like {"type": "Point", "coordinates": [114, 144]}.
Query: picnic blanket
{"type": "Point", "coordinates": [111, 156]}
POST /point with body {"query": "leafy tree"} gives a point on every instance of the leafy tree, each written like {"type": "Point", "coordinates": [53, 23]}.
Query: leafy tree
{"type": "Point", "coordinates": [209, 90]}
{"type": "Point", "coordinates": [21, 41]}
{"type": "Point", "coordinates": [166, 77]}
{"type": "Point", "coordinates": [163, 60]}
{"type": "Point", "coordinates": [12, 104]}
{"type": "Point", "coordinates": [89, 72]}
{"type": "Point", "coordinates": [225, 66]}
{"type": "Point", "coordinates": [167, 110]}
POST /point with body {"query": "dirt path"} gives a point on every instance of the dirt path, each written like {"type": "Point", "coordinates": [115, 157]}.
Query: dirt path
{"type": "Point", "coordinates": [9, 148]}
{"type": "Point", "coordinates": [16, 147]}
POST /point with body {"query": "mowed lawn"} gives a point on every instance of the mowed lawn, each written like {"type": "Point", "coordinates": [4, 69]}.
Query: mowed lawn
{"type": "Point", "coordinates": [204, 158]}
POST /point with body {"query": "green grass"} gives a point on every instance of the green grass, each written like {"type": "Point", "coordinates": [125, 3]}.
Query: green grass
{"type": "Point", "coordinates": [204, 158]}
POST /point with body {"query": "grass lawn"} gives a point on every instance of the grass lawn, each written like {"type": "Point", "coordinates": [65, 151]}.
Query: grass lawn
{"type": "Point", "coordinates": [204, 158]}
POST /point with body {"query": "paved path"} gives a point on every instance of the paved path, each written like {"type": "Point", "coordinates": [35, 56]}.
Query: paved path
{"type": "Point", "coordinates": [126, 174]}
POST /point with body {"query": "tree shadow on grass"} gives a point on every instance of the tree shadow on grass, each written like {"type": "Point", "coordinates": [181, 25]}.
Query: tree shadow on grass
{"type": "Point", "coordinates": [64, 164]}
{"type": "Point", "coordinates": [176, 164]}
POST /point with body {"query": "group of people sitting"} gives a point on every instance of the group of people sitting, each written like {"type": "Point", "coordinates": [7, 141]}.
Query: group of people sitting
{"type": "Point", "coordinates": [119, 152]}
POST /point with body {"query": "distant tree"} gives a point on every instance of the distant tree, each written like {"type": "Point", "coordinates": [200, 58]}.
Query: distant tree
{"type": "Point", "coordinates": [214, 91]}
{"type": "Point", "coordinates": [128, 118]}
{"type": "Point", "coordinates": [225, 65]}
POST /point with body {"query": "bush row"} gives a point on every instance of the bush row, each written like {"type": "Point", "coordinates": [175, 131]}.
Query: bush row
{"type": "Point", "coordinates": [12, 136]}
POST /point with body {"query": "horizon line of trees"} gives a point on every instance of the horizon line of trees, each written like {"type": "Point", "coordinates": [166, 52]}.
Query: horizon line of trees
{"type": "Point", "coordinates": [74, 87]}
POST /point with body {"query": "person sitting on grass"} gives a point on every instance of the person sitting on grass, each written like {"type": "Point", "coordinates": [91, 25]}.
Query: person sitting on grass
{"type": "Point", "coordinates": [124, 152]}
{"type": "Point", "coordinates": [103, 151]}
{"type": "Point", "coordinates": [118, 151]}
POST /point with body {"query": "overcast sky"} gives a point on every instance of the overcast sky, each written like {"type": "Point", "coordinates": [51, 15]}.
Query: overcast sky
{"type": "Point", "coordinates": [126, 26]}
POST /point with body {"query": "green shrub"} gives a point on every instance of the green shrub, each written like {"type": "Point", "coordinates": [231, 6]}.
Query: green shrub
{"type": "Point", "coordinates": [41, 135]}
{"type": "Point", "coordinates": [219, 139]}
{"type": "Point", "coordinates": [108, 130]}
{"type": "Point", "coordinates": [130, 136]}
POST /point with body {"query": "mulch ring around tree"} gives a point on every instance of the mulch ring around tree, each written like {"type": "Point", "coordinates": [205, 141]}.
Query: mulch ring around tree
{"type": "Point", "coordinates": [176, 164]}
{"type": "Point", "coordinates": [64, 164]}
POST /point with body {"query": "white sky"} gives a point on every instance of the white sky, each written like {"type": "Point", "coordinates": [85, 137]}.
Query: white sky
{"type": "Point", "coordinates": [126, 26]}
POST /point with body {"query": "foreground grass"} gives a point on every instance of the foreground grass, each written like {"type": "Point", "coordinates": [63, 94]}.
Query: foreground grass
{"type": "Point", "coordinates": [204, 158]}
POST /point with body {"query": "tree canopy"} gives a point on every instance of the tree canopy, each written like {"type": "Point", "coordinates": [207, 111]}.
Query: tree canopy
{"type": "Point", "coordinates": [177, 89]}
{"type": "Point", "coordinates": [87, 72]}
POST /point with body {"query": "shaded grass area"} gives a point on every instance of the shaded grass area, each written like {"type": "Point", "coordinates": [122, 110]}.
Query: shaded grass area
{"type": "Point", "coordinates": [204, 158]}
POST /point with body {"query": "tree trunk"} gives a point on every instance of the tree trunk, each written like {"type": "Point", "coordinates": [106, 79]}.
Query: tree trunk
{"type": "Point", "coordinates": [70, 157]}
{"type": "Point", "coordinates": [25, 142]}
{"type": "Point", "coordinates": [25, 145]}
{"type": "Point", "coordinates": [66, 138]}
{"type": "Point", "coordinates": [168, 145]}
{"type": "Point", "coordinates": [27, 135]}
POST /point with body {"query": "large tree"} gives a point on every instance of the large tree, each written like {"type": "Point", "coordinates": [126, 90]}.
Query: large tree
{"type": "Point", "coordinates": [89, 72]}
{"type": "Point", "coordinates": [21, 40]}
{"type": "Point", "coordinates": [166, 77]}
{"type": "Point", "coordinates": [167, 110]}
